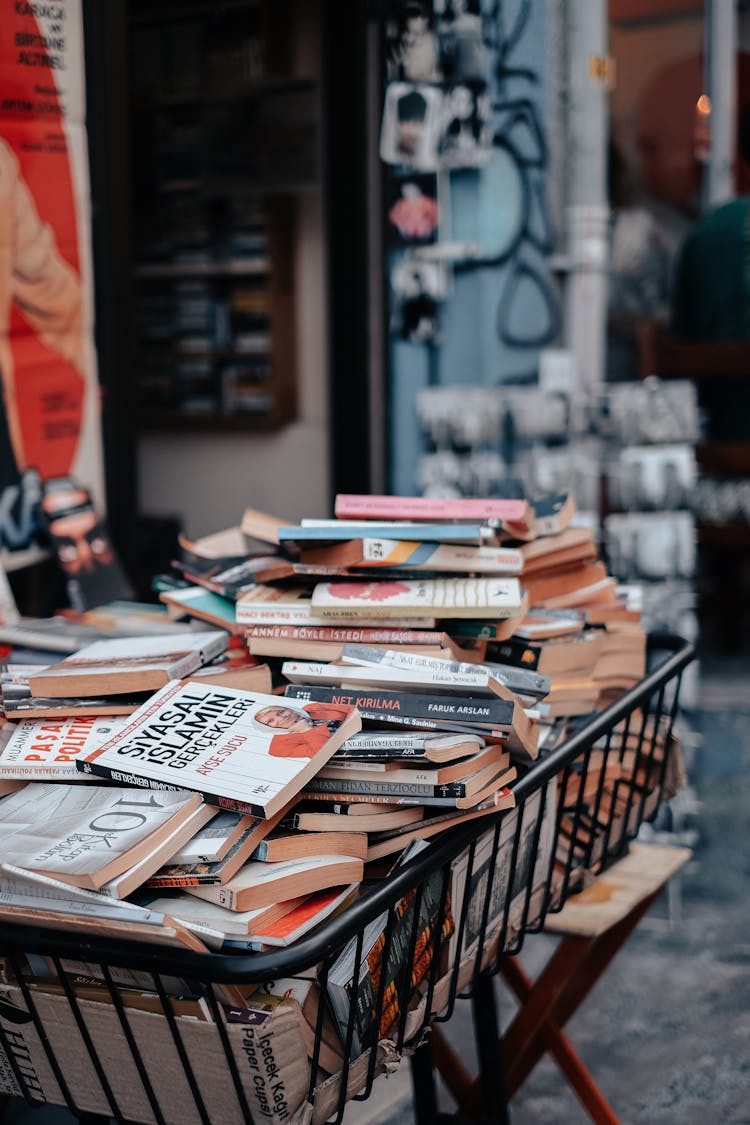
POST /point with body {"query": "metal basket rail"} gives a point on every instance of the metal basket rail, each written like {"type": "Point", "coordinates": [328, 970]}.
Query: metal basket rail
{"type": "Point", "coordinates": [445, 921]}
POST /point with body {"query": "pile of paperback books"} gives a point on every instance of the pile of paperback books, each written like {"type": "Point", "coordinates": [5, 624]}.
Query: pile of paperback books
{"type": "Point", "coordinates": [307, 707]}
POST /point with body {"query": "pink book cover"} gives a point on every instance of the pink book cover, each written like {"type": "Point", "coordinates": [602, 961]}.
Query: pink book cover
{"type": "Point", "coordinates": [352, 506]}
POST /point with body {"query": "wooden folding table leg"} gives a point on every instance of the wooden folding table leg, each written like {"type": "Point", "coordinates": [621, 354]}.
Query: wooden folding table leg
{"type": "Point", "coordinates": [578, 983]}
{"type": "Point", "coordinates": [565, 1055]}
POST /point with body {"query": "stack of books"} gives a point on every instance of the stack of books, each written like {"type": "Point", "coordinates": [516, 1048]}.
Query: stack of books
{"type": "Point", "coordinates": [328, 697]}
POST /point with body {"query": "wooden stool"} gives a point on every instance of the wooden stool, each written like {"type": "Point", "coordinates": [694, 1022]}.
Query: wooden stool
{"type": "Point", "coordinates": [594, 925]}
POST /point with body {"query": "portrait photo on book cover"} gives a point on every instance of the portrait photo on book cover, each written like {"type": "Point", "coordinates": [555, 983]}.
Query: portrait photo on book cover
{"type": "Point", "coordinates": [301, 731]}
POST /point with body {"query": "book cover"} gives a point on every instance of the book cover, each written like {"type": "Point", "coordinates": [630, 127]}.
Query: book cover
{"type": "Point", "coordinates": [483, 715]}
{"type": "Point", "coordinates": [417, 555]}
{"type": "Point", "coordinates": [88, 835]}
{"type": "Point", "coordinates": [576, 544]}
{"type": "Point", "coordinates": [520, 681]}
{"type": "Point", "coordinates": [342, 635]}
{"type": "Point", "coordinates": [576, 652]}
{"type": "Point", "coordinates": [200, 873]}
{"type": "Point", "coordinates": [375, 703]}
{"type": "Point", "coordinates": [436, 597]}
{"type": "Point", "coordinates": [47, 749]}
{"type": "Point", "coordinates": [128, 664]}
{"type": "Point", "coordinates": [327, 531]}
{"type": "Point", "coordinates": [302, 918]}
{"type": "Point", "coordinates": [336, 816]}
{"type": "Point", "coordinates": [465, 793]}
{"type": "Point", "coordinates": [214, 840]}
{"type": "Point", "coordinates": [204, 604]}
{"type": "Point", "coordinates": [542, 623]}
{"type": "Point", "coordinates": [292, 605]}
{"type": "Point", "coordinates": [357, 987]}
{"type": "Point", "coordinates": [438, 678]}
{"type": "Point", "coordinates": [260, 884]}
{"type": "Point", "coordinates": [396, 746]}
{"type": "Point", "coordinates": [352, 506]}
{"type": "Point", "coordinates": [284, 845]}
{"type": "Point", "coordinates": [19, 703]}
{"type": "Point", "coordinates": [414, 771]}
{"type": "Point", "coordinates": [191, 910]}
{"type": "Point", "coordinates": [552, 514]}
{"type": "Point", "coordinates": [243, 751]}
{"type": "Point", "coordinates": [389, 841]}
{"type": "Point", "coordinates": [227, 578]}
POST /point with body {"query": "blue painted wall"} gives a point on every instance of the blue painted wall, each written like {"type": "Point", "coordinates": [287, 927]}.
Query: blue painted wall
{"type": "Point", "coordinates": [482, 206]}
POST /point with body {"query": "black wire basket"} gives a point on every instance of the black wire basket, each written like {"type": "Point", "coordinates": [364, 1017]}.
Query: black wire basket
{"type": "Point", "coordinates": [385, 968]}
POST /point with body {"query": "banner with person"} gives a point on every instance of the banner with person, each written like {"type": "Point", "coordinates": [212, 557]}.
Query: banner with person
{"type": "Point", "coordinates": [50, 420]}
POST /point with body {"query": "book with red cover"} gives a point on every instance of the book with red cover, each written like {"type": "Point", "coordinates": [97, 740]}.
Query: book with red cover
{"type": "Point", "coordinates": [354, 506]}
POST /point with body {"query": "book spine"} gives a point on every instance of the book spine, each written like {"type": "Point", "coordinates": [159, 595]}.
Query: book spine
{"type": "Point", "coordinates": [383, 742]}
{"type": "Point", "coordinates": [348, 636]}
{"type": "Point", "coordinates": [182, 881]}
{"type": "Point", "coordinates": [255, 614]}
{"type": "Point", "coordinates": [379, 753]}
{"type": "Point", "coordinates": [228, 803]}
{"type": "Point", "coordinates": [352, 785]}
{"type": "Point", "coordinates": [409, 705]}
{"type": "Point", "coordinates": [88, 767]}
{"type": "Point", "coordinates": [421, 507]}
{"type": "Point", "coordinates": [327, 531]}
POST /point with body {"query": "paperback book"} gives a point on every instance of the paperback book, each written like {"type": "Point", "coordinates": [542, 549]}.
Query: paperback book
{"type": "Point", "coordinates": [330, 531]}
{"type": "Point", "coordinates": [351, 506]}
{"type": "Point", "coordinates": [244, 751]}
{"type": "Point", "coordinates": [127, 665]}
{"type": "Point", "coordinates": [260, 884]}
{"type": "Point", "coordinates": [417, 555]}
{"type": "Point", "coordinates": [434, 598]}
{"type": "Point", "coordinates": [195, 601]}
{"type": "Point", "coordinates": [87, 835]}
{"type": "Point", "coordinates": [398, 746]}
{"type": "Point", "coordinates": [292, 605]}
{"type": "Point", "coordinates": [487, 716]}
{"type": "Point", "coordinates": [342, 816]}
{"type": "Point", "coordinates": [47, 749]}
{"type": "Point", "coordinates": [522, 682]}
{"type": "Point", "coordinates": [199, 873]}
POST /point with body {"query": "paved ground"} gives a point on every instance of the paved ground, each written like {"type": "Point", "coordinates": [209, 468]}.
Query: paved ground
{"type": "Point", "coordinates": [667, 1031]}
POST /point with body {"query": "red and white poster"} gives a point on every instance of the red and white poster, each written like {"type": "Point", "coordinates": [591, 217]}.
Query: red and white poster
{"type": "Point", "coordinates": [50, 421]}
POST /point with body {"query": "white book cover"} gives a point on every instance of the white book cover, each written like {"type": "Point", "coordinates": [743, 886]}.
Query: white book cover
{"type": "Point", "coordinates": [78, 830]}
{"type": "Point", "coordinates": [304, 672]}
{"type": "Point", "coordinates": [437, 597]}
{"type": "Point", "coordinates": [35, 885]}
{"type": "Point", "coordinates": [245, 751]}
{"type": "Point", "coordinates": [212, 842]}
{"type": "Point", "coordinates": [132, 878]}
{"type": "Point", "coordinates": [523, 681]}
{"type": "Point", "coordinates": [267, 605]}
{"type": "Point", "coordinates": [191, 910]}
{"type": "Point", "coordinates": [398, 740]}
{"type": "Point", "coordinates": [46, 749]}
